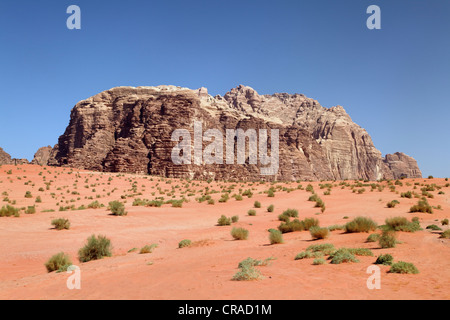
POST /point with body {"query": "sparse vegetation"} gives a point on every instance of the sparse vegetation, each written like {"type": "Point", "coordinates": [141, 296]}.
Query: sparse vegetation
{"type": "Point", "coordinates": [239, 233]}
{"type": "Point", "coordinates": [404, 268]}
{"type": "Point", "coordinates": [61, 224]}
{"type": "Point", "coordinates": [95, 248]}
{"type": "Point", "coordinates": [59, 262]}
{"type": "Point", "coordinates": [360, 224]}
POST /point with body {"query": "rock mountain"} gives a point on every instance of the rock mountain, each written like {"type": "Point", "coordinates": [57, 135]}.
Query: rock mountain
{"type": "Point", "coordinates": [128, 129]}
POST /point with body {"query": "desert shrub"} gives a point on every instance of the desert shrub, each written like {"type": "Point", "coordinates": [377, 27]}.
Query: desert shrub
{"type": "Point", "coordinates": [117, 208]}
{"type": "Point", "coordinates": [250, 262]}
{"type": "Point", "coordinates": [31, 210]}
{"type": "Point", "coordinates": [148, 248]}
{"type": "Point", "coordinates": [374, 237]}
{"type": "Point", "coordinates": [336, 227]}
{"type": "Point", "coordinates": [385, 259]}
{"type": "Point", "coordinates": [319, 261]}
{"type": "Point", "coordinates": [224, 221]}
{"type": "Point", "coordinates": [61, 224]}
{"type": "Point", "coordinates": [422, 206]}
{"type": "Point", "coordinates": [360, 224]}
{"type": "Point", "coordinates": [184, 243]}
{"type": "Point", "coordinates": [234, 219]}
{"type": "Point", "coordinates": [402, 224]}
{"type": "Point", "coordinates": [445, 234]}
{"type": "Point", "coordinates": [319, 233]}
{"type": "Point", "coordinates": [94, 205]}
{"type": "Point", "coordinates": [247, 273]}
{"type": "Point", "coordinates": [239, 233]}
{"type": "Point", "coordinates": [342, 256]}
{"type": "Point", "coordinates": [95, 248]}
{"type": "Point", "coordinates": [408, 195]}
{"type": "Point", "coordinates": [238, 197]}
{"type": "Point", "coordinates": [275, 237]}
{"type": "Point", "coordinates": [387, 239]}
{"type": "Point", "coordinates": [7, 211]}
{"type": "Point", "coordinates": [28, 194]}
{"type": "Point", "coordinates": [325, 248]}
{"type": "Point", "coordinates": [270, 208]}
{"type": "Point", "coordinates": [433, 227]}
{"type": "Point", "coordinates": [403, 267]}
{"type": "Point", "coordinates": [308, 223]}
{"type": "Point", "coordinates": [309, 254]}
{"type": "Point", "coordinates": [392, 204]}
{"type": "Point", "coordinates": [359, 251]}
{"type": "Point", "coordinates": [444, 222]}
{"type": "Point", "coordinates": [284, 218]}
{"type": "Point", "coordinates": [270, 193]}
{"type": "Point", "coordinates": [251, 212]}
{"type": "Point", "coordinates": [293, 213]}
{"type": "Point", "coordinates": [309, 188]}
{"type": "Point", "coordinates": [211, 201]}
{"type": "Point", "coordinates": [257, 204]}
{"type": "Point", "coordinates": [38, 199]}
{"type": "Point", "coordinates": [58, 262]}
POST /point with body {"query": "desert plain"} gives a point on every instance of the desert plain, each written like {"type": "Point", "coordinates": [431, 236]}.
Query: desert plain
{"type": "Point", "coordinates": [205, 269]}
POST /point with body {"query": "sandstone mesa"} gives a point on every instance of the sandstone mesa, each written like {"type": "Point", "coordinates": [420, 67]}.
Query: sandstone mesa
{"type": "Point", "coordinates": [128, 129]}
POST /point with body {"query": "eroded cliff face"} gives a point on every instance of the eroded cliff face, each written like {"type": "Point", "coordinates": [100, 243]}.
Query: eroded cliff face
{"type": "Point", "coordinates": [129, 129]}
{"type": "Point", "coordinates": [5, 158]}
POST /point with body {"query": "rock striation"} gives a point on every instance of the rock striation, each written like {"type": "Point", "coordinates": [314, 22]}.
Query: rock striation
{"type": "Point", "coordinates": [128, 129]}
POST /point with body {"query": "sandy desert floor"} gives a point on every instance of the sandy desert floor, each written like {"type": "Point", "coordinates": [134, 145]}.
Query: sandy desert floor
{"type": "Point", "coordinates": [206, 268]}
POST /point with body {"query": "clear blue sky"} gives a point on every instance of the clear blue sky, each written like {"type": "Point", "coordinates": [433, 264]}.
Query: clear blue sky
{"type": "Point", "coordinates": [394, 82]}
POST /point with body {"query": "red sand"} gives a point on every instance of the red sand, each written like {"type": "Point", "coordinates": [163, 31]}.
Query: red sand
{"type": "Point", "coordinates": [205, 270]}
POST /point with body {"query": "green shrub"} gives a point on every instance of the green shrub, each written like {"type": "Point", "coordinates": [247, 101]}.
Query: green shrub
{"type": "Point", "coordinates": [433, 227]}
{"type": "Point", "coordinates": [117, 208]}
{"type": "Point", "coordinates": [257, 204]}
{"type": "Point", "coordinates": [308, 223]}
{"type": "Point", "coordinates": [247, 273]}
{"type": "Point", "coordinates": [374, 237]}
{"type": "Point", "coordinates": [184, 243]}
{"type": "Point", "coordinates": [319, 233]}
{"type": "Point", "coordinates": [293, 213]}
{"type": "Point", "coordinates": [360, 224]}
{"type": "Point", "coordinates": [95, 248]}
{"type": "Point", "coordinates": [319, 261]}
{"type": "Point", "coordinates": [31, 210]}
{"type": "Point", "coordinates": [270, 208]}
{"type": "Point", "coordinates": [392, 204]}
{"type": "Point", "coordinates": [7, 211]}
{"type": "Point", "coordinates": [444, 222]}
{"type": "Point", "coordinates": [234, 219]}
{"type": "Point", "coordinates": [224, 221]}
{"type": "Point", "coordinates": [422, 206]}
{"type": "Point", "coordinates": [275, 237]}
{"type": "Point", "coordinates": [251, 212]}
{"type": "Point", "coordinates": [61, 224]}
{"type": "Point", "coordinates": [94, 205]}
{"type": "Point", "coordinates": [404, 268]}
{"type": "Point", "coordinates": [385, 259]}
{"type": "Point", "coordinates": [387, 239]}
{"type": "Point", "coordinates": [28, 194]}
{"type": "Point", "coordinates": [342, 256]}
{"type": "Point", "coordinates": [445, 234]}
{"type": "Point", "coordinates": [402, 224]}
{"type": "Point", "coordinates": [250, 262]}
{"type": "Point", "coordinates": [58, 262]}
{"type": "Point", "coordinates": [309, 254]}
{"type": "Point", "coordinates": [239, 233]}
{"type": "Point", "coordinates": [148, 248]}
{"type": "Point", "coordinates": [325, 248]}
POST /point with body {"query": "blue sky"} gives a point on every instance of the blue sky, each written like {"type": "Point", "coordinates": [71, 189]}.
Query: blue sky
{"type": "Point", "coordinates": [393, 82]}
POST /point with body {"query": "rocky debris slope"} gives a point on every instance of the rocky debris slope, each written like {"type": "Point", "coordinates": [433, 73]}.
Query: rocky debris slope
{"type": "Point", "coordinates": [129, 129]}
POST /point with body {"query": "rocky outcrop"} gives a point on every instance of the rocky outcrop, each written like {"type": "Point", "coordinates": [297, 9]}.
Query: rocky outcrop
{"type": "Point", "coordinates": [129, 129]}
{"type": "Point", "coordinates": [42, 156]}
{"type": "Point", "coordinates": [5, 158]}
{"type": "Point", "coordinates": [400, 165]}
